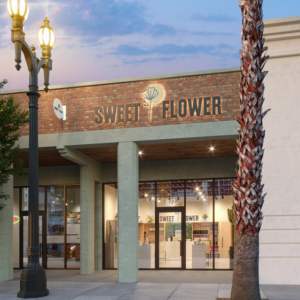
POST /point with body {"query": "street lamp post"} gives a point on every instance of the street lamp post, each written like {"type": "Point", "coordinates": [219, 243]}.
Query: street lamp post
{"type": "Point", "coordinates": [33, 282]}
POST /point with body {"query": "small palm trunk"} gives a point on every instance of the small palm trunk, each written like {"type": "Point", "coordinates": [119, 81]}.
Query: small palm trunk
{"type": "Point", "coordinates": [245, 278]}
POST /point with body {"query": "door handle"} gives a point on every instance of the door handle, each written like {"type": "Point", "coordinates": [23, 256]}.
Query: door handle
{"type": "Point", "coordinates": [181, 243]}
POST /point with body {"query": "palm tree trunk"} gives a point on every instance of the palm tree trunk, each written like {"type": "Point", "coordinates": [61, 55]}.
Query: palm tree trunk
{"type": "Point", "coordinates": [248, 189]}
{"type": "Point", "coordinates": [245, 276]}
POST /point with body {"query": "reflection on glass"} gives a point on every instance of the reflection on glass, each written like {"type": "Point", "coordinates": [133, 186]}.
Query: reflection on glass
{"type": "Point", "coordinates": [170, 193]}
{"type": "Point", "coordinates": [25, 239]}
{"type": "Point", "coordinates": [146, 212]}
{"type": "Point", "coordinates": [224, 200]}
{"type": "Point", "coordinates": [16, 229]}
{"type": "Point", "coordinates": [111, 226]}
{"type": "Point", "coordinates": [25, 198]}
{"type": "Point", "coordinates": [199, 224]}
{"type": "Point", "coordinates": [73, 226]}
{"type": "Point", "coordinates": [55, 227]}
{"type": "Point", "coordinates": [170, 240]}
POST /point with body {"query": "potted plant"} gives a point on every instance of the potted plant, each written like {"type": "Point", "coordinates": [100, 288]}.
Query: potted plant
{"type": "Point", "coordinates": [204, 216]}
{"type": "Point", "coordinates": [150, 219]}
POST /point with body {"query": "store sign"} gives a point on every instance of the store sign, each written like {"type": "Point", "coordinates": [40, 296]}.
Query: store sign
{"type": "Point", "coordinates": [166, 219]}
{"type": "Point", "coordinates": [59, 109]}
{"type": "Point", "coordinates": [16, 219]}
{"type": "Point", "coordinates": [154, 95]}
{"type": "Point", "coordinates": [192, 218]}
{"type": "Point", "coordinates": [170, 202]}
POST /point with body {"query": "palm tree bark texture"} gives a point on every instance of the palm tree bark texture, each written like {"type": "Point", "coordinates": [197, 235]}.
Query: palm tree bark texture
{"type": "Point", "coordinates": [248, 189]}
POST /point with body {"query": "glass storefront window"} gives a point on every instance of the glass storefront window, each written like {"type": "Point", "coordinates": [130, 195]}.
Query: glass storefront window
{"type": "Point", "coordinates": [170, 193]}
{"type": "Point", "coordinates": [55, 227]}
{"type": "Point", "coordinates": [73, 226]}
{"type": "Point", "coordinates": [111, 226]}
{"type": "Point", "coordinates": [25, 198]}
{"type": "Point", "coordinates": [16, 228]}
{"type": "Point", "coordinates": [170, 240]}
{"type": "Point", "coordinates": [224, 200]}
{"type": "Point", "coordinates": [199, 224]}
{"type": "Point", "coordinates": [208, 226]}
{"type": "Point", "coordinates": [146, 212]}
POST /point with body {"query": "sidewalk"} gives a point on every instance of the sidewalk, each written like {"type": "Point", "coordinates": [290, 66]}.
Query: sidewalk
{"type": "Point", "coordinates": [158, 285]}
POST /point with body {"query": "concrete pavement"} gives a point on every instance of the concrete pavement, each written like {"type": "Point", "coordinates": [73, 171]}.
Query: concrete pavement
{"type": "Point", "coordinates": [158, 285]}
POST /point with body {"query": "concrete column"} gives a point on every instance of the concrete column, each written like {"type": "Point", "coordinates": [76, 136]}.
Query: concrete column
{"type": "Point", "coordinates": [87, 233]}
{"type": "Point", "coordinates": [6, 233]}
{"type": "Point", "coordinates": [98, 227]}
{"type": "Point", "coordinates": [128, 212]}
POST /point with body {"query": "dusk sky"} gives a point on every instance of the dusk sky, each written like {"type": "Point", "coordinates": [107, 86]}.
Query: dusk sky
{"type": "Point", "coordinates": [111, 39]}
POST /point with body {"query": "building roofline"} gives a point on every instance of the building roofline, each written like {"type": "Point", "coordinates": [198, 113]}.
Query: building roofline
{"type": "Point", "coordinates": [124, 80]}
{"type": "Point", "coordinates": [282, 21]}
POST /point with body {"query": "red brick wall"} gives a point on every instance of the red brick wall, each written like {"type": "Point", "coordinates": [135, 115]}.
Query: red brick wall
{"type": "Point", "coordinates": [82, 101]}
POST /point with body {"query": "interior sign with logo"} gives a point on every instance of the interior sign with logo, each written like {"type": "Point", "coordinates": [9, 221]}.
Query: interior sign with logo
{"type": "Point", "coordinates": [154, 95]}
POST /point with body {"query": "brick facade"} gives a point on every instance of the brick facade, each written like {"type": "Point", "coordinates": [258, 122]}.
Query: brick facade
{"type": "Point", "coordinates": [82, 101]}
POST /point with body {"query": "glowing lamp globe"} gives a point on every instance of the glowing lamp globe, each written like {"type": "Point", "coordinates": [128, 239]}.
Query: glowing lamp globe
{"type": "Point", "coordinates": [46, 37]}
{"type": "Point", "coordinates": [18, 9]}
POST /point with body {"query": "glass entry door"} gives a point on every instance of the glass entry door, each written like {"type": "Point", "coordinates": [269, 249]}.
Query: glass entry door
{"type": "Point", "coordinates": [170, 238]}
{"type": "Point", "coordinates": [24, 239]}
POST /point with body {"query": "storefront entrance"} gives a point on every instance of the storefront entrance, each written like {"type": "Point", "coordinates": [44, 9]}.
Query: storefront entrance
{"type": "Point", "coordinates": [183, 224]}
{"type": "Point", "coordinates": [170, 238]}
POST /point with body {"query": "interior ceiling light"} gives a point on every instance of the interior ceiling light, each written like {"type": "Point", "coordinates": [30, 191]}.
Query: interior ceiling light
{"type": "Point", "coordinates": [146, 195]}
{"type": "Point", "coordinates": [152, 198]}
{"type": "Point", "coordinates": [140, 152]}
{"type": "Point", "coordinates": [197, 189]}
{"type": "Point", "coordinates": [211, 148]}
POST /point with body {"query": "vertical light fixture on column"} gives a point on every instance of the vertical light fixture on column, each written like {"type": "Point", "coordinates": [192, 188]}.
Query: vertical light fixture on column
{"type": "Point", "coordinates": [33, 278]}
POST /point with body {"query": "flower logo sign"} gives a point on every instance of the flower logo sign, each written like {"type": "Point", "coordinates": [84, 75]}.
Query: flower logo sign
{"type": "Point", "coordinates": [154, 94]}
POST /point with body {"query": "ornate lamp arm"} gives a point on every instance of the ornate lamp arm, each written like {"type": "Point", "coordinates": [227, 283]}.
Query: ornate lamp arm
{"type": "Point", "coordinates": [34, 64]}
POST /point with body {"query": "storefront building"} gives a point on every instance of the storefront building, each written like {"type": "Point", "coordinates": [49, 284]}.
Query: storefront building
{"type": "Point", "coordinates": [139, 175]}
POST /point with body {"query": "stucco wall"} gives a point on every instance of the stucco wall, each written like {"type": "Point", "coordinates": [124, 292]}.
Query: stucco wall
{"type": "Point", "coordinates": [202, 168]}
{"type": "Point", "coordinates": [280, 234]}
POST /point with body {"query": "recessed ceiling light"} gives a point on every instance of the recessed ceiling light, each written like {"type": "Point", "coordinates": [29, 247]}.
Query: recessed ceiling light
{"type": "Point", "coordinates": [197, 189]}
{"type": "Point", "coordinates": [140, 152]}
{"type": "Point", "coordinates": [146, 195]}
{"type": "Point", "coordinates": [212, 148]}
{"type": "Point", "coordinates": [152, 198]}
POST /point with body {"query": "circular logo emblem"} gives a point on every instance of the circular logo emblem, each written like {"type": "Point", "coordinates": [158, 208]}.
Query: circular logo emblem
{"type": "Point", "coordinates": [155, 93]}
{"type": "Point", "coordinates": [57, 106]}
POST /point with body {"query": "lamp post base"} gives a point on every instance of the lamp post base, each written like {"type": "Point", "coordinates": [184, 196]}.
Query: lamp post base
{"type": "Point", "coordinates": [33, 283]}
